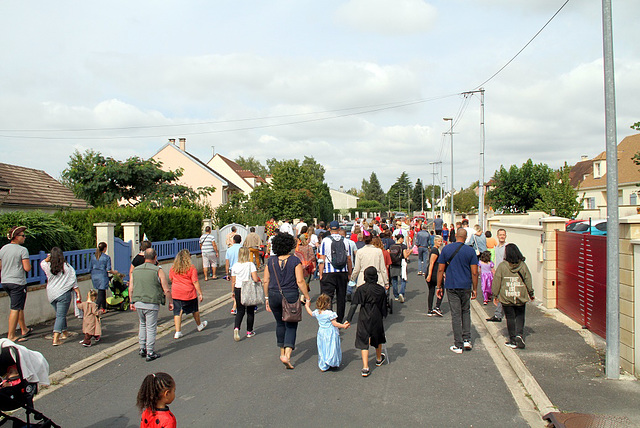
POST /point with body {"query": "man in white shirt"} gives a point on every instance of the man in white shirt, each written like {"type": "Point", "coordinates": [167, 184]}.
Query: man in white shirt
{"type": "Point", "coordinates": [333, 281]}
{"type": "Point", "coordinates": [286, 227]}
{"type": "Point", "coordinates": [470, 232]}
{"type": "Point", "coordinates": [299, 227]}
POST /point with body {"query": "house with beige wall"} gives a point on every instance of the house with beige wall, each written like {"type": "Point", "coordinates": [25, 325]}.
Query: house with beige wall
{"type": "Point", "coordinates": [245, 180]}
{"type": "Point", "coordinates": [196, 173]}
{"type": "Point", "coordinates": [342, 200]}
{"type": "Point", "coordinates": [590, 178]}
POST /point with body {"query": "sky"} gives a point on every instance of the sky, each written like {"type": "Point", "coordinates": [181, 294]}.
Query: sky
{"type": "Point", "coordinates": [360, 85]}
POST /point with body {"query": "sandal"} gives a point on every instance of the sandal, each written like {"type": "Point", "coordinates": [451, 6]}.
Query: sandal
{"type": "Point", "coordinates": [28, 333]}
{"type": "Point", "coordinates": [366, 372]}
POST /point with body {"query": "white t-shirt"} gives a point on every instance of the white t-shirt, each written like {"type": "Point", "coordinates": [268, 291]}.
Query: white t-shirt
{"type": "Point", "coordinates": [242, 272]}
{"type": "Point", "coordinates": [314, 241]}
{"type": "Point", "coordinates": [299, 227]}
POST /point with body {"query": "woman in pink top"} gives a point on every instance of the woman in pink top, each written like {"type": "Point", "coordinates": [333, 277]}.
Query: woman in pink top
{"type": "Point", "coordinates": [185, 290]}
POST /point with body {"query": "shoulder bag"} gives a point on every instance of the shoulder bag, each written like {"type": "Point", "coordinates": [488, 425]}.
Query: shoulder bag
{"type": "Point", "coordinates": [291, 312]}
{"type": "Point", "coordinates": [251, 293]}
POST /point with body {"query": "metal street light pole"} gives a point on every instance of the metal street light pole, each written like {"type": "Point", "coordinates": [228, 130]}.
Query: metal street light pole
{"type": "Point", "coordinates": [612, 368]}
{"type": "Point", "coordinates": [453, 218]}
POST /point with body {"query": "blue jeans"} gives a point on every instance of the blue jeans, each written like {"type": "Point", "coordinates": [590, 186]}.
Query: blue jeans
{"type": "Point", "coordinates": [423, 259]}
{"type": "Point", "coordinates": [61, 306]}
{"type": "Point", "coordinates": [285, 331]}
{"type": "Point", "coordinates": [394, 283]}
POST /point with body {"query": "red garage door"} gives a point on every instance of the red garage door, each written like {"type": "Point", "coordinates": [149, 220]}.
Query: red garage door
{"type": "Point", "coordinates": [582, 279]}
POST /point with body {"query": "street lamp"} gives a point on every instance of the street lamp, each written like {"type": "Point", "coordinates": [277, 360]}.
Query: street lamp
{"type": "Point", "coordinates": [453, 219]}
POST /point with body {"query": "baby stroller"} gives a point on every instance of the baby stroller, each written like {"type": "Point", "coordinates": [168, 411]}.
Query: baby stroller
{"type": "Point", "coordinates": [21, 370]}
{"type": "Point", "coordinates": [120, 294]}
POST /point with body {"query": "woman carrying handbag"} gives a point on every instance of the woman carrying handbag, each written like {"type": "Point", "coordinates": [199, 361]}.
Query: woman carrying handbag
{"type": "Point", "coordinates": [283, 283]}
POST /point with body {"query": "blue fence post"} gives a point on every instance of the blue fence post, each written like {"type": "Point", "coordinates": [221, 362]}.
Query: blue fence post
{"type": "Point", "coordinates": [43, 277]}
{"type": "Point", "coordinates": [175, 247]}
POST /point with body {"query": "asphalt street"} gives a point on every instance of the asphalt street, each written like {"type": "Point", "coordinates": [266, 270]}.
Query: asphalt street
{"type": "Point", "coordinates": [222, 382]}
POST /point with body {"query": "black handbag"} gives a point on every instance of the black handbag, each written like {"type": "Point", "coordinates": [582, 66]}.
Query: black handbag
{"type": "Point", "coordinates": [291, 312]}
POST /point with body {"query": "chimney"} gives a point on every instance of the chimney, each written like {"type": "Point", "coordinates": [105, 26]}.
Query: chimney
{"type": "Point", "coordinates": [172, 141]}
{"type": "Point", "coordinates": [183, 143]}
{"type": "Point", "coordinates": [584, 157]}
{"type": "Point", "coordinates": [342, 189]}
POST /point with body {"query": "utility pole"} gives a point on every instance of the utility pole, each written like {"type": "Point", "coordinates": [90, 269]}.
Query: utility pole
{"type": "Point", "coordinates": [481, 180]}
{"type": "Point", "coordinates": [612, 368]}
{"type": "Point", "coordinates": [433, 187]}
{"type": "Point", "coordinates": [453, 218]}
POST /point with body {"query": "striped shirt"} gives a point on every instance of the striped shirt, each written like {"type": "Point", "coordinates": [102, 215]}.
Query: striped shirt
{"type": "Point", "coordinates": [325, 250]}
{"type": "Point", "coordinates": [206, 243]}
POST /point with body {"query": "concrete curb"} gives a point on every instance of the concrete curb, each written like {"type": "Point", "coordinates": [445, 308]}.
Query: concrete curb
{"type": "Point", "coordinates": [535, 391]}
{"type": "Point", "coordinates": [124, 346]}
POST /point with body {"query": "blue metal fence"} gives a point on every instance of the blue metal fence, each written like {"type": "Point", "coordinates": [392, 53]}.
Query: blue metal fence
{"type": "Point", "coordinates": [81, 259]}
{"type": "Point", "coordinates": [169, 249]}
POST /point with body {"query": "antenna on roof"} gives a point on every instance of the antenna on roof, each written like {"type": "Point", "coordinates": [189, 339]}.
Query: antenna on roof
{"type": "Point", "coordinates": [213, 149]}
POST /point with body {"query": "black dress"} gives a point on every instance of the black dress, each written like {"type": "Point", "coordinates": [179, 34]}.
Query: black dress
{"type": "Point", "coordinates": [372, 299]}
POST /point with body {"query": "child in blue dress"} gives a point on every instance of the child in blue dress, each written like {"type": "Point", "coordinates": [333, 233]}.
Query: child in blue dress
{"type": "Point", "coordinates": [329, 350]}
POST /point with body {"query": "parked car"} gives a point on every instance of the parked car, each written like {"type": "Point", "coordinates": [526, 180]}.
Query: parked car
{"type": "Point", "coordinates": [597, 227]}
{"type": "Point", "coordinates": [571, 224]}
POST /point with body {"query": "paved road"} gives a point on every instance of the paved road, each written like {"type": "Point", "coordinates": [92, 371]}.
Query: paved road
{"type": "Point", "coordinates": [221, 382]}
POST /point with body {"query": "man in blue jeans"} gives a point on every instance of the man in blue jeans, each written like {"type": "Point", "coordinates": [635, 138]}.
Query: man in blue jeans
{"type": "Point", "coordinates": [461, 282]}
{"type": "Point", "coordinates": [422, 241]}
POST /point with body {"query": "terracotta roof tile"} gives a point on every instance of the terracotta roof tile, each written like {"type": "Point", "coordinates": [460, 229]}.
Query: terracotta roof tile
{"type": "Point", "coordinates": [628, 171]}
{"type": "Point", "coordinates": [34, 188]}
{"type": "Point", "coordinates": [578, 172]}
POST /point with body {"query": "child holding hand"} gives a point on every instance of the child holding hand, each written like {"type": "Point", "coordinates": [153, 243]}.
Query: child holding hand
{"type": "Point", "coordinates": [156, 392]}
{"type": "Point", "coordinates": [486, 272]}
{"type": "Point", "coordinates": [329, 350]}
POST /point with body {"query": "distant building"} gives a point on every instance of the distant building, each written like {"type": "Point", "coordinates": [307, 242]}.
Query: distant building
{"type": "Point", "coordinates": [243, 179]}
{"type": "Point", "coordinates": [342, 200]}
{"type": "Point", "coordinates": [195, 172]}
{"type": "Point", "coordinates": [28, 189]}
{"type": "Point", "coordinates": [590, 177]}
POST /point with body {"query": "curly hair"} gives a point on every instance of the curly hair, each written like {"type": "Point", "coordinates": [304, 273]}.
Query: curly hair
{"type": "Point", "coordinates": [182, 263]}
{"type": "Point", "coordinates": [282, 244]}
{"type": "Point", "coordinates": [324, 302]}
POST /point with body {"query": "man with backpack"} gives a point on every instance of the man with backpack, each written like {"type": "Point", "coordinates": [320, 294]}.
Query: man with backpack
{"type": "Point", "coordinates": [461, 281]}
{"type": "Point", "coordinates": [398, 270]}
{"type": "Point", "coordinates": [335, 261]}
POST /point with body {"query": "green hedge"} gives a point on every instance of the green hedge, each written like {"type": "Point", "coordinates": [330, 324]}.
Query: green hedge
{"type": "Point", "coordinates": [44, 231]}
{"type": "Point", "coordinates": [159, 224]}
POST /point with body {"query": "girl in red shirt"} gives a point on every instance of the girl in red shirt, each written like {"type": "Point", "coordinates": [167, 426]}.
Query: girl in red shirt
{"type": "Point", "coordinates": [156, 392]}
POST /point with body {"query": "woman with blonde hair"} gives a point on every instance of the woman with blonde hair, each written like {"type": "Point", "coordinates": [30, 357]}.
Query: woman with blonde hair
{"type": "Point", "coordinates": [243, 270]}
{"type": "Point", "coordinates": [185, 290]}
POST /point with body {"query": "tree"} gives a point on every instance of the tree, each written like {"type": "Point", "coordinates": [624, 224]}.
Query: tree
{"type": "Point", "coordinates": [466, 200]}
{"type": "Point", "coordinates": [297, 190]}
{"type": "Point", "coordinates": [636, 126]}
{"type": "Point", "coordinates": [399, 193]}
{"type": "Point", "coordinates": [518, 189]}
{"type": "Point", "coordinates": [559, 195]}
{"type": "Point", "coordinates": [253, 165]}
{"type": "Point", "coordinates": [431, 194]}
{"type": "Point", "coordinates": [418, 195]}
{"type": "Point", "coordinates": [105, 181]}
{"type": "Point", "coordinates": [372, 190]}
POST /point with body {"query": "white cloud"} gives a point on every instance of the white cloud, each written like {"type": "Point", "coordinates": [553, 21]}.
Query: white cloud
{"type": "Point", "coordinates": [390, 17]}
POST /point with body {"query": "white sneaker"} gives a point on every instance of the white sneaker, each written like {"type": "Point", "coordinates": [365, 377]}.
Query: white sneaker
{"type": "Point", "coordinates": [455, 349]}
{"type": "Point", "coordinates": [236, 334]}
{"type": "Point", "coordinates": [178, 335]}
{"type": "Point", "coordinates": [202, 326]}
{"type": "Point", "coordinates": [468, 346]}
{"type": "Point", "coordinates": [401, 298]}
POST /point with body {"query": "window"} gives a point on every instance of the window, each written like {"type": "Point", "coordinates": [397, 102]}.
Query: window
{"type": "Point", "coordinates": [633, 199]}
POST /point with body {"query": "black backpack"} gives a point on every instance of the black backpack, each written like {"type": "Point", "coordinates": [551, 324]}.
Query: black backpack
{"type": "Point", "coordinates": [338, 253]}
{"type": "Point", "coordinates": [396, 254]}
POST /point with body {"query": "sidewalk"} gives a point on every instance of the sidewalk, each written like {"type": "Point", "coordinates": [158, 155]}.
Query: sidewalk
{"type": "Point", "coordinates": [569, 371]}
{"type": "Point", "coordinates": [117, 327]}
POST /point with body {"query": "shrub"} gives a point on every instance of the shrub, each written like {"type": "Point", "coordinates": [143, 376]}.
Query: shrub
{"type": "Point", "coordinates": [159, 224]}
{"type": "Point", "coordinates": [44, 231]}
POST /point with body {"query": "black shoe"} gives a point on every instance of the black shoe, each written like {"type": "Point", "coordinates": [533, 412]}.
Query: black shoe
{"type": "Point", "coordinates": [382, 360]}
{"type": "Point", "coordinates": [142, 352]}
{"type": "Point", "coordinates": [494, 319]}
{"type": "Point", "coordinates": [519, 342]}
{"type": "Point", "coordinates": [152, 356]}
